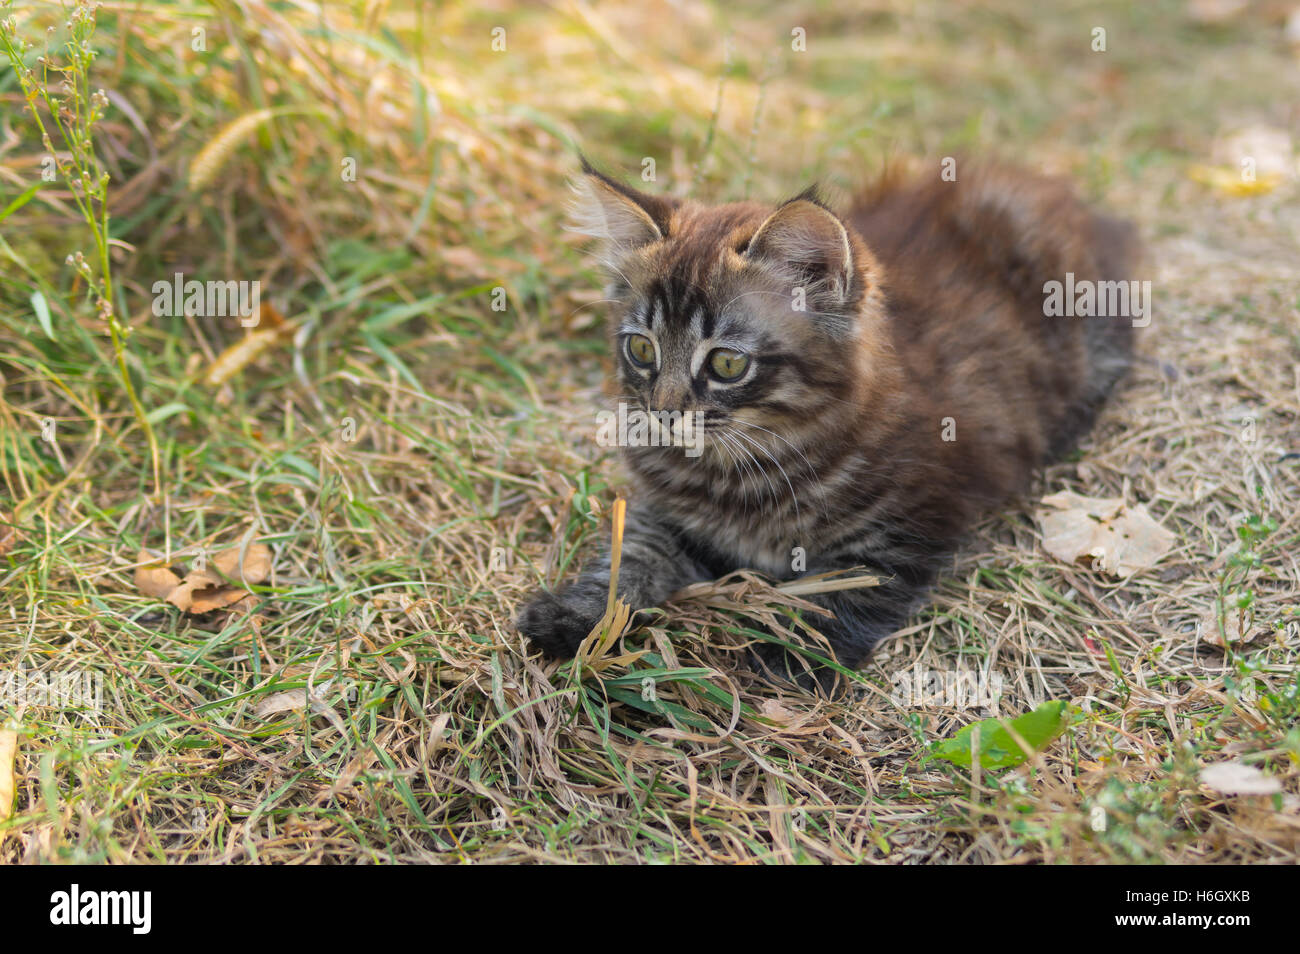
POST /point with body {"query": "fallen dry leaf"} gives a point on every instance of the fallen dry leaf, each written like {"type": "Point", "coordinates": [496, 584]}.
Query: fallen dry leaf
{"type": "Point", "coordinates": [781, 715]}
{"type": "Point", "coordinates": [1208, 627]}
{"type": "Point", "coordinates": [200, 599]}
{"type": "Point", "coordinates": [1237, 778]}
{"type": "Point", "coordinates": [257, 562]}
{"type": "Point", "coordinates": [8, 754]}
{"type": "Point", "coordinates": [285, 701]}
{"type": "Point", "coordinates": [156, 581]}
{"type": "Point", "coordinates": [1122, 539]}
{"type": "Point", "coordinates": [204, 590]}
{"type": "Point", "coordinates": [437, 730]}
{"type": "Point", "coordinates": [225, 565]}
{"type": "Point", "coordinates": [293, 699]}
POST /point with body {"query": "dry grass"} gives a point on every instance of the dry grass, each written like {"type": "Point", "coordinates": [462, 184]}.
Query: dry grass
{"type": "Point", "coordinates": [379, 706]}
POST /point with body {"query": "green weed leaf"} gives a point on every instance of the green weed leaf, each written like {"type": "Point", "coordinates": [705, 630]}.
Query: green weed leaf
{"type": "Point", "coordinates": [997, 747]}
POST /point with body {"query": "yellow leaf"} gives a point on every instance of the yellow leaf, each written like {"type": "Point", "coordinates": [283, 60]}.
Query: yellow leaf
{"type": "Point", "coordinates": [1227, 181]}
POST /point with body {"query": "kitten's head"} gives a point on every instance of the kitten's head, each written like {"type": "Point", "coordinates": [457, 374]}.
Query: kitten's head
{"type": "Point", "coordinates": [744, 314]}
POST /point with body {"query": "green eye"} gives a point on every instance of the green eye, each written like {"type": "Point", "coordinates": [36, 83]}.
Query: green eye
{"type": "Point", "coordinates": [641, 349]}
{"type": "Point", "coordinates": [728, 365]}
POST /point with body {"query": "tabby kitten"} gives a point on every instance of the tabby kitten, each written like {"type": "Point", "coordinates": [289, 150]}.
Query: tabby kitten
{"type": "Point", "coordinates": [866, 385]}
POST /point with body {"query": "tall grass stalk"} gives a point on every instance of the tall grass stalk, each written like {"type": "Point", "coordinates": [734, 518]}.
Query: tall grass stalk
{"type": "Point", "coordinates": [73, 116]}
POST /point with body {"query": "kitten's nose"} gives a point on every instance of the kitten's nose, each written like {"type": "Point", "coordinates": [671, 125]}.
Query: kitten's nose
{"type": "Point", "coordinates": [670, 395]}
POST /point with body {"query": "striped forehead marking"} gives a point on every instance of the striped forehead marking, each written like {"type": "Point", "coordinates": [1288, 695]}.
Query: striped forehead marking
{"type": "Point", "coordinates": [681, 306]}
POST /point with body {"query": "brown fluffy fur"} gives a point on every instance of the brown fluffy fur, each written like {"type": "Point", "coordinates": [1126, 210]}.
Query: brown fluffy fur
{"type": "Point", "coordinates": [925, 309]}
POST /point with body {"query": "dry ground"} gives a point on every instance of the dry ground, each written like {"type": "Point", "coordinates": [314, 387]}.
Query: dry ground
{"type": "Point", "coordinates": [419, 461]}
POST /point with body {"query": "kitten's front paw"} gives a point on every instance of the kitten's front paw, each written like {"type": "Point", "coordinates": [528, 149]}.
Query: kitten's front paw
{"type": "Point", "coordinates": [556, 625]}
{"type": "Point", "coordinates": [769, 659]}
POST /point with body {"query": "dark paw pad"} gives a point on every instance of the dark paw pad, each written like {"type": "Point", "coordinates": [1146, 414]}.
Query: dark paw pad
{"type": "Point", "coordinates": [554, 625]}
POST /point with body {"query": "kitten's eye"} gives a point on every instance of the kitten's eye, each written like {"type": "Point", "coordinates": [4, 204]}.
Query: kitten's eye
{"type": "Point", "coordinates": [728, 365]}
{"type": "Point", "coordinates": [641, 350]}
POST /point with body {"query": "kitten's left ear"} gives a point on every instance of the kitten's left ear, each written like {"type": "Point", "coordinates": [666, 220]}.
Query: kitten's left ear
{"type": "Point", "coordinates": [805, 236]}
{"type": "Point", "coordinates": [621, 217]}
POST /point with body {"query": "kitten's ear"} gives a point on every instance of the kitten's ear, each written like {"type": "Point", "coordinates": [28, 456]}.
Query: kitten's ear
{"type": "Point", "coordinates": [620, 217]}
{"type": "Point", "coordinates": [805, 236]}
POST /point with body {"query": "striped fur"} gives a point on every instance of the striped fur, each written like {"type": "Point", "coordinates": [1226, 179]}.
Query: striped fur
{"type": "Point", "coordinates": [924, 303]}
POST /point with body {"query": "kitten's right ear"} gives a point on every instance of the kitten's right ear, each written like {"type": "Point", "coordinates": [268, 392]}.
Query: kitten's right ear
{"type": "Point", "coordinates": [805, 235]}
{"type": "Point", "coordinates": [620, 217]}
